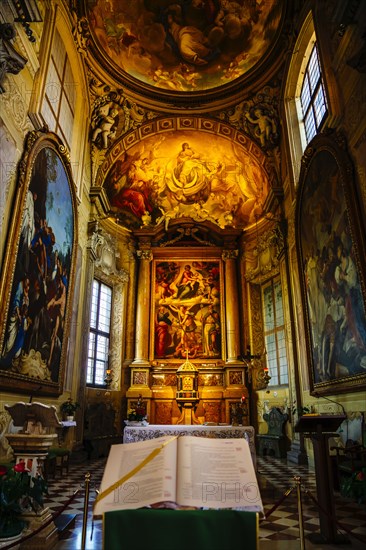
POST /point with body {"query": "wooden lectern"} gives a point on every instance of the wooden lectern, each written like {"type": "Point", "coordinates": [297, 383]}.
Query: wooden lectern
{"type": "Point", "coordinates": [319, 427]}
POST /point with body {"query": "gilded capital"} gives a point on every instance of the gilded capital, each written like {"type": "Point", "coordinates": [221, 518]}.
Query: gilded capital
{"type": "Point", "coordinates": [145, 255]}
{"type": "Point", "coordinates": [229, 255]}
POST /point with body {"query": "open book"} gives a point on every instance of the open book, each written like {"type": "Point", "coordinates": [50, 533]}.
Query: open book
{"type": "Point", "coordinates": [186, 470]}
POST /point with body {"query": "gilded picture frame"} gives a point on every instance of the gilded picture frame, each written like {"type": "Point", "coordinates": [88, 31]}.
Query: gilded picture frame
{"type": "Point", "coordinates": [187, 310]}
{"type": "Point", "coordinates": [331, 252]}
{"type": "Point", "coordinates": [38, 270]}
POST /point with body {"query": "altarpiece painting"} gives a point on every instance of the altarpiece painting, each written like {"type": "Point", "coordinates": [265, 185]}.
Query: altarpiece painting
{"type": "Point", "coordinates": [188, 309]}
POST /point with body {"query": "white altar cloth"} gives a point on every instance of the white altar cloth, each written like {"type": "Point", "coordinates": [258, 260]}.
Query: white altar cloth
{"type": "Point", "coordinates": [141, 433]}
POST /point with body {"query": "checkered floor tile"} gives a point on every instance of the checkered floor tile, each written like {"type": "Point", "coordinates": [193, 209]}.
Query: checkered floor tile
{"type": "Point", "coordinates": [275, 476]}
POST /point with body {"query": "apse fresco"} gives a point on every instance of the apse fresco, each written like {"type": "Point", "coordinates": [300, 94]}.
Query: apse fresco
{"type": "Point", "coordinates": [186, 45]}
{"type": "Point", "coordinates": [187, 309]}
{"type": "Point", "coordinates": [186, 174]}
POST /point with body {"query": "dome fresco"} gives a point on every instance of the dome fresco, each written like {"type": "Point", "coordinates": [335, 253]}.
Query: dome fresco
{"type": "Point", "coordinates": [184, 46]}
{"type": "Point", "coordinates": [178, 174]}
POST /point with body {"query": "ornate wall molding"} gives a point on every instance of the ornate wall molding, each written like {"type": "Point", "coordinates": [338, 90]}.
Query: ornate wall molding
{"type": "Point", "coordinates": [269, 247]}
{"type": "Point", "coordinates": [104, 252]}
{"type": "Point", "coordinates": [14, 105]}
{"type": "Point", "coordinates": [10, 60]}
{"type": "Point", "coordinates": [257, 117]}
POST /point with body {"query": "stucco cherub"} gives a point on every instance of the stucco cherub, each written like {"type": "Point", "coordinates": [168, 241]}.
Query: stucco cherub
{"type": "Point", "coordinates": [266, 129]}
{"type": "Point", "coordinates": [105, 124]}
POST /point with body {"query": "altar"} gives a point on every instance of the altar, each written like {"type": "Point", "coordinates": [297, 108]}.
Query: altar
{"type": "Point", "coordinates": [141, 433]}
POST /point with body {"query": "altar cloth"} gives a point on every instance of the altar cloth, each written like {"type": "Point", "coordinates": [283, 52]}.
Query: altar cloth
{"type": "Point", "coordinates": [141, 433]}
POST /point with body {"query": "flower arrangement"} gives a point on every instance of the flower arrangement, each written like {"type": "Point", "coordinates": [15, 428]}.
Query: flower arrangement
{"type": "Point", "coordinates": [69, 407]}
{"type": "Point", "coordinates": [137, 413]}
{"type": "Point", "coordinates": [354, 486]}
{"type": "Point", "coordinates": [19, 492]}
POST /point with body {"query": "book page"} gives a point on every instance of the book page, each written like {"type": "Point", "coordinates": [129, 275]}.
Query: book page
{"type": "Point", "coordinates": [155, 482]}
{"type": "Point", "coordinates": [217, 473]}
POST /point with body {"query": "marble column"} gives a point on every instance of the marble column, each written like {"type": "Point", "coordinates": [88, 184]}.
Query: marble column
{"type": "Point", "coordinates": [143, 309]}
{"type": "Point", "coordinates": [232, 306]}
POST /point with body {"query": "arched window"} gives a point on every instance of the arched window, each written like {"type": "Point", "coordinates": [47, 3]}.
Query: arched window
{"type": "Point", "coordinates": [99, 334]}
{"type": "Point", "coordinates": [59, 97]}
{"type": "Point", "coordinates": [307, 102]}
{"type": "Point", "coordinates": [274, 332]}
{"type": "Point", "coordinates": [58, 106]}
{"type": "Point", "coordinates": [312, 97]}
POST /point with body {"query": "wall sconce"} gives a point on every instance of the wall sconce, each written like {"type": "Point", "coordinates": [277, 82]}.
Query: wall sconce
{"type": "Point", "coordinates": [108, 377]}
{"type": "Point", "coordinates": [257, 374]}
{"type": "Point", "coordinates": [266, 376]}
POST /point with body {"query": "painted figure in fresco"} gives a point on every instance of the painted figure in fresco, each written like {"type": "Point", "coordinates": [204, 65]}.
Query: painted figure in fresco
{"type": "Point", "coordinates": [333, 336]}
{"type": "Point", "coordinates": [135, 194]}
{"type": "Point", "coordinates": [347, 279]}
{"type": "Point", "coordinates": [42, 247]}
{"type": "Point", "coordinates": [189, 181]}
{"type": "Point", "coordinates": [192, 44]}
{"type": "Point", "coordinates": [18, 324]}
{"type": "Point", "coordinates": [186, 162]}
{"type": "Point", "coordinates": [187, 283]}
{"type": "Point", "coordinates": [56, 308]}
{"type": "Point", "coordinates": [211, 332]}
{"type": "Point", "coordinates": [162, 332]}
{"type": "Point", "coordinates": [187, 324]}
{"type": "Point", "coordinates": [27, 230]}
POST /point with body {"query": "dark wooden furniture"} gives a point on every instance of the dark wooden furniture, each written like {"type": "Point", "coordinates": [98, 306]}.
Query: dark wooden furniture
{"type": "Point", "coordinates": [319, 428]}
{"type": "Point", "coordinates": [348, 462]}
{"type": "Point", "coordinates": [100, 431]}
{"type": "Point", "coordinates": [275, 440]}
{"type": "Point", "coordinates": [57, 460]}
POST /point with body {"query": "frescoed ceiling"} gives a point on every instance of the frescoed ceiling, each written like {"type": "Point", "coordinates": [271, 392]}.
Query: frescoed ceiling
{"type": "Point", "coordinates": [183, 46]}
{"type": "Point", "coordinates": [179, 174]}
{"type": "Point", "coordinates": [151, 59]}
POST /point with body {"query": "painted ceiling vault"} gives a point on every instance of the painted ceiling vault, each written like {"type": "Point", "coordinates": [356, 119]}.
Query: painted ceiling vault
{"type": "Point", "coordinates": [154, 168]}
{"type": "Point", "coordinates": [184, 46]}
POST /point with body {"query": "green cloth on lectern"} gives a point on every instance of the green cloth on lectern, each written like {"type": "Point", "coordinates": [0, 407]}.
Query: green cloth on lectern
{"type": "Point", "coordinates": [151, 529]}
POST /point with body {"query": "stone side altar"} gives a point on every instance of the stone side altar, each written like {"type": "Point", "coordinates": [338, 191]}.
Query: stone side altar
{"type": "Point", "coordinates": [37, 423]}
{"type": "Point", "coordinates": [141, 433]}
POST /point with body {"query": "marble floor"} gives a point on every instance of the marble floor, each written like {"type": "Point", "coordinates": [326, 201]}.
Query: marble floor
{"type": "Point", "coordinates": [279, 530]}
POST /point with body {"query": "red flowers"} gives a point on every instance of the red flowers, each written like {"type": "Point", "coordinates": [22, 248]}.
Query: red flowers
{"type": "Point", "coordinates": [20, 467]}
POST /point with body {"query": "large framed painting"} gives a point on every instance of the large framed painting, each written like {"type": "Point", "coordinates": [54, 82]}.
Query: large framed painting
{"type": "Point", "coordinates": [38, 271]}
{"type": "Point", "coordinates": [331, 250]}
{"type": "Point", "coordinates": [187, 310]}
